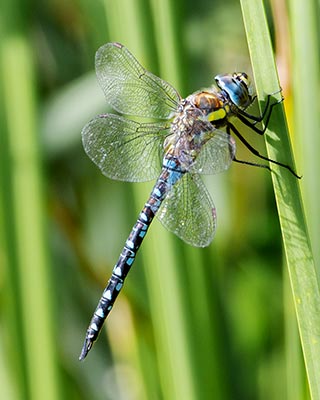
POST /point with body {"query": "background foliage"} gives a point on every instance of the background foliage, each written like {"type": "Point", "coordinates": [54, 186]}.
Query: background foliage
{"type": "Point", "coordinates": [190, 323]}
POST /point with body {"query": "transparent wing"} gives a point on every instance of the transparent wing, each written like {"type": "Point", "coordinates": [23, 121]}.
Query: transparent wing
{"type": "Point", "coordinates": [123, 149]}
{"type": "Point", "coordinates": [189, 212]}
{"type": "Point", "coordinates": [129, 88]}
{"type": "Point", "coordinates": [216, 154]}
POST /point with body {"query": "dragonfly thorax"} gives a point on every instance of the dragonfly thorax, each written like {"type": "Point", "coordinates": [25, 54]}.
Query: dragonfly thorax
{"type": "Point", "coordinates": [212, 106]}
{"type": "Point", "coordinates": [193, 125]}
{"type": "Point", "coordinates": [179, 144]}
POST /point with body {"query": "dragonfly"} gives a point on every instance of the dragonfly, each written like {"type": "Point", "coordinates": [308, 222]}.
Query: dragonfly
{"type": "Point", "coordinates": [175, 141]}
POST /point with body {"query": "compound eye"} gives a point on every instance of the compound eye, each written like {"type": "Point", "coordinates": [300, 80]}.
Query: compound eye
{"type": "Point", "coordinates": [242, 76]}
{"type": "Point", "coordinates": [244, 80]}
{"type": "Point", "coordinates": [238, 88]}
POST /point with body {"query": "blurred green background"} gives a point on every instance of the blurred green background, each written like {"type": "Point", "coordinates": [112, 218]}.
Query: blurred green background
{"type": "Point", "coordinates": [214, 323]}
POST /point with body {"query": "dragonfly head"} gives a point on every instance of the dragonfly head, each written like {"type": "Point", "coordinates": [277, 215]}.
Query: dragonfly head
{"type": "Point", "coordinates": [238, 88]}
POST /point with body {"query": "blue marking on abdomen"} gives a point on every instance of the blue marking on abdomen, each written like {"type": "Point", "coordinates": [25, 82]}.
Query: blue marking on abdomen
{"type": "Point", "coordinates": [130, 261]}
{"type": "Point", "coordinates": [174, 177]}
{"type": "Point", "coordinates": [142, 233]}
{"type": "Point", "coordinates": [170, 163]}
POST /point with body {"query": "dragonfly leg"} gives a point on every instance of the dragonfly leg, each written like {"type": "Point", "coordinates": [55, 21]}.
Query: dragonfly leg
{"type": "Point", "coordinates": [252, 164]}
{"type": "Point", "coordinates": [267, 111]}
{"type": "Point", "coordinates": [231, 127]}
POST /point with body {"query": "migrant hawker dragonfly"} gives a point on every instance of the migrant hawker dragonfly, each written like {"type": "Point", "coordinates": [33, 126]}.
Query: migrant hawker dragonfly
{"type": "Point", "coordinates": [186, 141]}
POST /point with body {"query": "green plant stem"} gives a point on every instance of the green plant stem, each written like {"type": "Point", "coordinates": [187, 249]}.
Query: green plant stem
{"type": "Point", "coordinates": [295, 235]}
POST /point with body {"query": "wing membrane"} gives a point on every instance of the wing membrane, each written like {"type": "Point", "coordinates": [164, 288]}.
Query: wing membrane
{"type": "Point", "coordinates": [124, 149]}
{"type": "Point", "coordinates": [216, 155]}
{"type": "Point", "coordinates": [189, 212]}
{"type": "Point", "coordinates": [129, 88]}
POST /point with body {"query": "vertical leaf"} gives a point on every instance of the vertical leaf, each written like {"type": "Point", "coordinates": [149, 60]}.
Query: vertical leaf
{"type": "Point", "coordinates": [27, 223]}
{"type": "Point", "coordinates": [295, 235]}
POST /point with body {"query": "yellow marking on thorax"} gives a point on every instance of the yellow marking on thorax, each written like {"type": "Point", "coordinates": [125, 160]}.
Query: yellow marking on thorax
{"type": "Point", "coordinates": [217, 115]}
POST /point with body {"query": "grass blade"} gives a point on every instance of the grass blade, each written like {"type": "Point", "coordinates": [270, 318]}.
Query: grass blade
{"type": "Point", "coordinates": [27, 235]}
{"type": "Point", "coordinates": [295, 236]}
{"type": "Point", "coordinates": [306, 46]}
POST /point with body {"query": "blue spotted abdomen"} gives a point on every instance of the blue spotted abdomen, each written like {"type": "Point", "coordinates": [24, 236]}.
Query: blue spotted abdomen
{"type": "Point", "coordinates": [170, 174]}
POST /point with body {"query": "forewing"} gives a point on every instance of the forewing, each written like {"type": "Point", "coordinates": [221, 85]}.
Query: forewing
{"type": "Point", "coordinates": [129, 88]}
{"type": "Point", "coordinates": [216, 154]}
{"type": "Point", "coordinates": [189, 212]}
{"type": "Point", "coordinates": [123, 149]}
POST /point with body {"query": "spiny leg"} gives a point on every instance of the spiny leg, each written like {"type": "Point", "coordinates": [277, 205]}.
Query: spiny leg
{"type": "Point", "coordinates": [267, 108]}
{"type": "Point", "coordinates": [252, 164]}
{"type": "Point", "coordinates": [231, 127]}
{"type": "Point", "coordinates": [243, 118]}
{"type": "Point", "coordinates": [235, 159]}
{"type": "Point", "coordinates": [254, 117]}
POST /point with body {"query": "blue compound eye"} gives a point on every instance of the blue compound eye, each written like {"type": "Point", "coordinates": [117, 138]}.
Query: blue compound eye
{"type": "Point", "coordinates": [238, 88]}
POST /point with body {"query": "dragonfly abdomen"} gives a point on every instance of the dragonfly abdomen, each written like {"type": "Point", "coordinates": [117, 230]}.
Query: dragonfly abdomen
{"type": "Point", "coordinates": [168, 177]}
